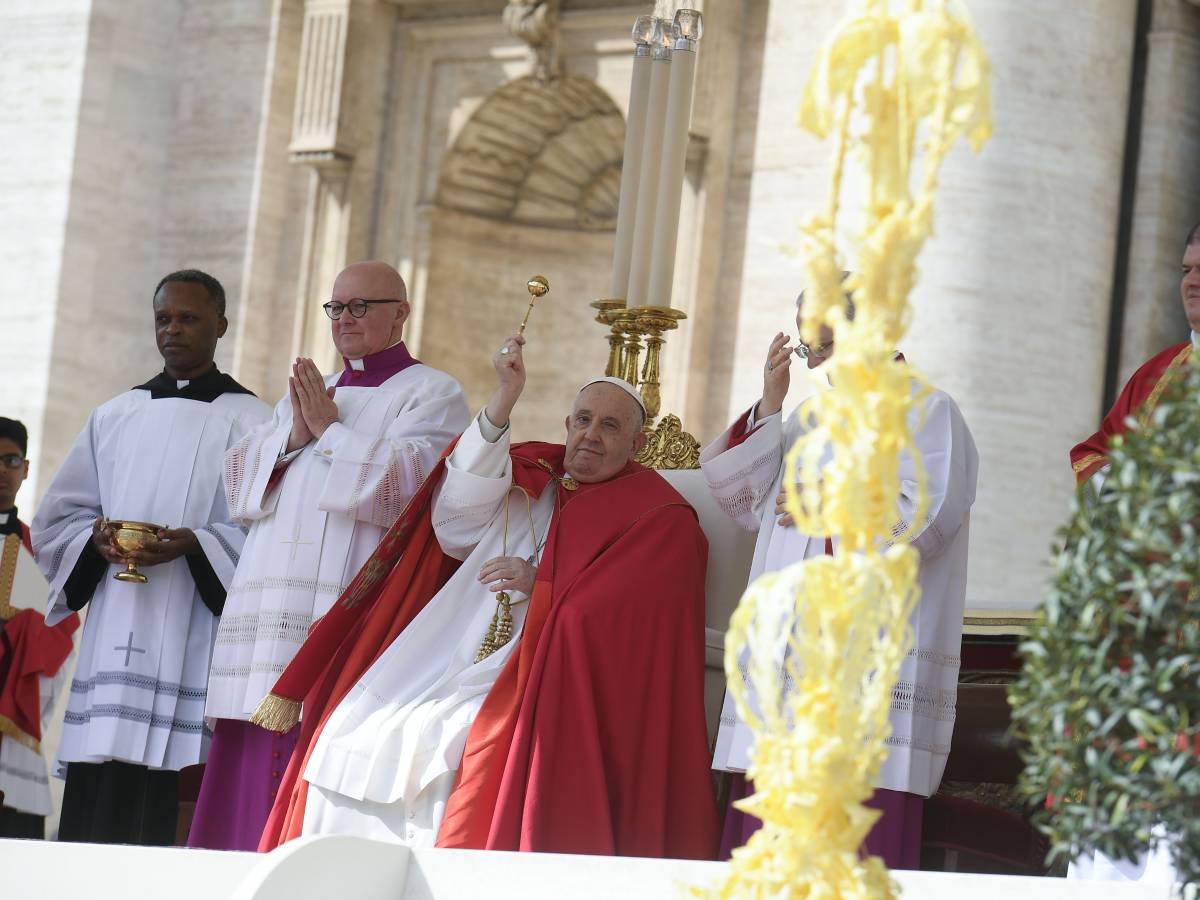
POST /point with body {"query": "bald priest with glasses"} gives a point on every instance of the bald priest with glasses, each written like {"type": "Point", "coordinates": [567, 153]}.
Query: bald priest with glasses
{"type": "Point", "coordinates": [318, 486]}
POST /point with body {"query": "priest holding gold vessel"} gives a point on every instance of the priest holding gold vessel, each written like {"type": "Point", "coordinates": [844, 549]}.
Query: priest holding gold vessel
{"type": "Point", "coordinates": [135, 527]}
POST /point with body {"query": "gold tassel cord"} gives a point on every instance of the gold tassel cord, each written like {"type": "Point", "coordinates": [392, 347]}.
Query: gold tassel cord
{"type": "Point", "coordinates": [276, 713]}
{"type": "Point", "coordinates": [500, 631]}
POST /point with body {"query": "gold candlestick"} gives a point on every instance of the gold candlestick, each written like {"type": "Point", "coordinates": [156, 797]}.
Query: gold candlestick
{"type": "Point", "coordinates": [606, 315]}
{"type": "Point", "coordinates": [537, 286]}
{"type": "Point", "coordinates": [652, 321]}
{"type": "Point", "coordinates": [627, 320]}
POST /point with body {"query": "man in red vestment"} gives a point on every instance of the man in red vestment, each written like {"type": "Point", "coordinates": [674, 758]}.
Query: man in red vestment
{"type": "Point", "coordinates": [1141, 393]}
{"type": "Point", "coordinates": [31, 655]}
{"type": "Point", "coordinates": [592, 737]}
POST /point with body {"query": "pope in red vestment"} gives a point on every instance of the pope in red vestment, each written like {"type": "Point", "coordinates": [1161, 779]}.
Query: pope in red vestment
{"type": "Point", "coordinates": [592, 738]}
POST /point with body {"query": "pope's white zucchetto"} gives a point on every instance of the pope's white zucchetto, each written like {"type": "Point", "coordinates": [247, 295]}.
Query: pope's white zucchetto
{"type": "Point", "coordinates": [620, 383]}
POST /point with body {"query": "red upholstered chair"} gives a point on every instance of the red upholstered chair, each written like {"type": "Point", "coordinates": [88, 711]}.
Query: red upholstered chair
{"type": "Point", "coordinates": [974, 824]}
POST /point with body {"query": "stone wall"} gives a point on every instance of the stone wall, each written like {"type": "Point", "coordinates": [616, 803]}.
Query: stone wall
{"type": "Point", "coordinates": [42, 50]}
{"type": "Point", "coordinates": [161, 141]}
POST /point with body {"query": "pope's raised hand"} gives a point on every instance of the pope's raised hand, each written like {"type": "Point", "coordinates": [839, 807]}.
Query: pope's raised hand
{"type": "Point", "coordinates": [509, 362]}
{"type": "Point", "coordinates": [777, 377]}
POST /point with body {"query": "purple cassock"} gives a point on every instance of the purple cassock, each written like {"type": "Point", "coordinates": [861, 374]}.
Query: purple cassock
{"type": "Point", "coordinates": [246, 762]}
{"type": "Point", "coordinates": [895, 837]}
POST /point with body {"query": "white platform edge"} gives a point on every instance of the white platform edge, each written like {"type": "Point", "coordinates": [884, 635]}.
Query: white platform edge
{"type": "Point", "coordinates": [347, 867]}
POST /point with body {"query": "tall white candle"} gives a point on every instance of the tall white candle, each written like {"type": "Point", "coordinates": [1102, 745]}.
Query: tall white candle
{"type": "Point", "coordinates": [631, 164]}
{"type": "Point", "coordinates": [656, 108]}
{"type": "Point", "coordinates": [688, 29]}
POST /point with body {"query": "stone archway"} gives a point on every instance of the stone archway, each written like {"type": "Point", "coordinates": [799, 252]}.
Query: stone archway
{"type": "Point", "coordinates": [539, 154]}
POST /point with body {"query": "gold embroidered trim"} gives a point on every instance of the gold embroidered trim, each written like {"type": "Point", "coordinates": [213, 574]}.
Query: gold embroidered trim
{"type": "Point", "coordinates": [1082, 464]}
{"type": "Point", "coordinates": [8, 572]}
{"type": "Point", "coordinates": [9, 728]}
{"type": "Point", "coordinates": [1169, 375]}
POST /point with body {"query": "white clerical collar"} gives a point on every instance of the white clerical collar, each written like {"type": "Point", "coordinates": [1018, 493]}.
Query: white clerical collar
{"type": "Point", "coordinates": [182, 384]}
{"type": "Point", "coordinates": [4, 518]}
{"type": "Point", "coordinates": [1196, 340]}
{"type": "Point", "coordinates": [360, 364]}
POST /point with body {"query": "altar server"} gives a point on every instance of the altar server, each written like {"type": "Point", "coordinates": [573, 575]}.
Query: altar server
{"type": "Point", "coordinates": [34, 657]}
{"type": "Point", "coordinates": [577, 727]}
{"type": "Point", "coordinates": [744, 469]}
{"type": "Point", "coordinates": [135, 713]}
{"type": "Point", "coordinates": [318, 486]}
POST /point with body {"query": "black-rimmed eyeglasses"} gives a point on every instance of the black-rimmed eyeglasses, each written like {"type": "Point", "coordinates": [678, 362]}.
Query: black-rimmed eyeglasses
{"type": "Point", "coordinates": [12, 461]}
{"type": "Point", "coordinates": [357, 306]}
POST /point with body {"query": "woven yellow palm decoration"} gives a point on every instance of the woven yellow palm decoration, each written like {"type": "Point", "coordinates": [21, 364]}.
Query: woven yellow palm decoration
{"type": "Point", "coordinates": [818, 646]}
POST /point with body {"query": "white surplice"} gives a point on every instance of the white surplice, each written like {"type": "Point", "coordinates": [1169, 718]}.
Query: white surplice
{"type": "Point", "coordinates": [24, 774]}
{"type": "Point", "coordinates": [138, 692]}
{"type": "Point", "coordinates": [315, 515]}
{"type": "Point", "coordinates": [387, 758]}
{"type": "Point", "coordinates": [745, 481]}
{"type": "Point", "coordinates": [1154, 867]}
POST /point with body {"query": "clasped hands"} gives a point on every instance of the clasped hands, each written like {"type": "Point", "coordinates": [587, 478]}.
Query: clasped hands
{"type": "Point", "coordinates": [313, 409]}
{"type": "Point", "coordinates": [783, 517]}
{"type": "Point", "coordinates": [172, 543]}
{"type": "Point", "coordinates": [508, 573]}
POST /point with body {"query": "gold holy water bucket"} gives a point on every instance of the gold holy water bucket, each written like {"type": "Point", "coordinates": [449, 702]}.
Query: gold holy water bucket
{"type": "Point", "coordinates": [128, 537]}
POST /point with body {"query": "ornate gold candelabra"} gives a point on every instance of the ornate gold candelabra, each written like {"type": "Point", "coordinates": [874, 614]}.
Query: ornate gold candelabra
{"type": "Point", "coordinates": [668, 446]}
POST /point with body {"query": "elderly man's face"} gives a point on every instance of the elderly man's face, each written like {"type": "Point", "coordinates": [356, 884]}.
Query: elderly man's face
{"type": "Point", "coordinates": [383, 323]}
{"type": "Point", "coordinates": [604, 432]}
{"type": "Point", "coordinates": [1189, 285]}
{"type": "Point", "coordinates": [822, 349]}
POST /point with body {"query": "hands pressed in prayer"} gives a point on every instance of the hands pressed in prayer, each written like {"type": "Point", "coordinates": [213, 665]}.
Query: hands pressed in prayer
{"type": "Point", "coordinates": [508, 573]}
{"type": "Point", "coordinates": [783, 518]}
{"type": "Point", "coordinates": [776, 377]}
{"type": "Point", "coordinates": [313, 409]}
{"type": "Point", "coordinates": [103, 542]}
{"type": "Point", "coordinates": [172, 544]}
{"type": "Point", "coordinates": [509, 362]}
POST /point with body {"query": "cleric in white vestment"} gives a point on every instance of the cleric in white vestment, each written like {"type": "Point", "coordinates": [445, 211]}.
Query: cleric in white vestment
{"type": "Point", "coordinates": [135, 712]}
{"type": "Point", "coordinates": [744, 469]}
{"type": "Point", "coordinates": [318, 485]}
